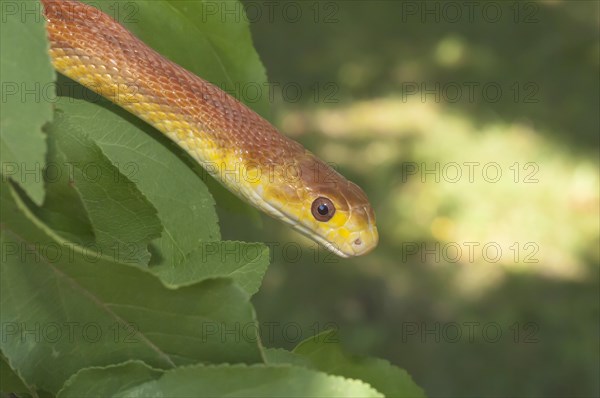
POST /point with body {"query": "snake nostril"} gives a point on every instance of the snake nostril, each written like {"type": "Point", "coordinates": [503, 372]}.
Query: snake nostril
{"type": "Point", "coordinates": [358, 242]}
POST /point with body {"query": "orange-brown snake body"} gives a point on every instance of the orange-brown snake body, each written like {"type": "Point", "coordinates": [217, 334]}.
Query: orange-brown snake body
{"type": "Point", "coordinates": [234, 144]}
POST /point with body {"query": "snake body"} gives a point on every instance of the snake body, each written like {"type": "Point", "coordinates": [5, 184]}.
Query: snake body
{"type": "Point", "coordinates": [234, 144]}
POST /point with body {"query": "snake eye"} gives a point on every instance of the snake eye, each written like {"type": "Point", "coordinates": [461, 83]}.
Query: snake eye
{"type": "Point", "coordinates": [322, 209]}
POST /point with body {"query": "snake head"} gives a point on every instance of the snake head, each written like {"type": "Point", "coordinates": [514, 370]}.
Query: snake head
{"type": "Point", "coordinates": [321, 204]}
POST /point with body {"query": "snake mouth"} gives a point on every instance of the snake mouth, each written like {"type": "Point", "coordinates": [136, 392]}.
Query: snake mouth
{"type": "Point", "coordinates": [332, 247]}
{"type": "Point", "coordinates": [360, 243]}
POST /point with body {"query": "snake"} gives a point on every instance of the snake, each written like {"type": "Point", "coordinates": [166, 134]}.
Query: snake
{"type": "Point", "coordinates": [234, 144]}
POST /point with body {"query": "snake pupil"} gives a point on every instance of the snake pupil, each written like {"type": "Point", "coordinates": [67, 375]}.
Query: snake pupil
{"type": "Point", "coordinates": [322, 209]}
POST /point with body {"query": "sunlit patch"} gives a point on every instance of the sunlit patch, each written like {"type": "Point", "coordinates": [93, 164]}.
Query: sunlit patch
{"type": "Point", "coordinates": [449, 51]}
{"type": "Point", "coordinates": [417, 146]}
{"type": "Point", "coordinates": [442, 228]}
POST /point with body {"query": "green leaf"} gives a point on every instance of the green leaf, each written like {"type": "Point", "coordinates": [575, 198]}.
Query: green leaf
{"type": "Point", "coordinates": [63, 208]}
{"type": "Point", "coordinates": [151, 161]}
{"type": "Point", "coordinates": [279, 356]}
{"type": "Point", "coordinates": [10, 382]}
{"type": "Point", "coordinates": [123, 220]}
{"type": "Point", "coordinates": [187, 251]}
{"type": "Point", "coordinates": [322, 352]}
{"type": "Point", "coordinates": [221, 380]}
{"type": "Point", "coordinates": [27, 90]}
{"type": "Point", "coordinates": [197, 36]}
{"type": "Point", "coordinates": [64, 308]}
{"type": "Point", "coordinates": [108, 381]}
{"type": "Point", "coordinates": [326, 355]}
{"type": "Point", "coordinates": [245, 263]}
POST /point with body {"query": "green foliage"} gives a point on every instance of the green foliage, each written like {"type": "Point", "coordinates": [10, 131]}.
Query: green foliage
{"type": "Point", "coordinates": [135, 379]}
{"type": "Point", "coordinates": [325, 355]}
{"type": "Point", "coordinates": [22, 144]}
{"type": "Point", "coordinates": [114, 277]}
{"type": "Point", "coordinates": [322, 352]}
{"type": "Point", "coordinates": [133, 314]}
{"type": "Point", "coordinates": [9, 380]}
{"type": "Point", "coordinates": [121, 217]}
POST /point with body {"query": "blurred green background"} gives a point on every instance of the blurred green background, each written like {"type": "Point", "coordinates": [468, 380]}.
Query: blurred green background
{"type": "Point", "coordinates": [350, 73]}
